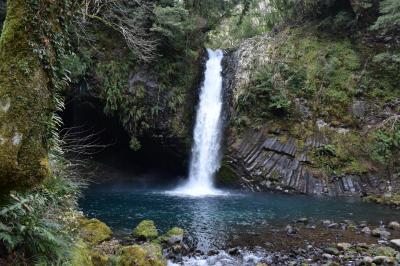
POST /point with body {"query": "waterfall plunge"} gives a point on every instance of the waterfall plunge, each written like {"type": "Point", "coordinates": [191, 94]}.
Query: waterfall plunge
{"type": "Point", "coordinates": [207, 132]}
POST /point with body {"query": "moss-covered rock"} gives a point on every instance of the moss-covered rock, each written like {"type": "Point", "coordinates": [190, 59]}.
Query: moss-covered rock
{"type": "Point", "coordinates": [29, 59]}
{"type": "Point", "coordinates": [145, 255]}
{"type": "Point", "coordinates": [226, 176]}
{"type": "Point", "coordinates": [376, 250]}
{"type": "Point", "coordinates": [174, 235]}
{"type": "Point", "coordinates": [25, 102]}
{"type": "Point", "coordinates": [391, 200]}
{"type": "Point", "coordinates": [145, 230]}
{"type": "Point", "coordinates": [94, 231]}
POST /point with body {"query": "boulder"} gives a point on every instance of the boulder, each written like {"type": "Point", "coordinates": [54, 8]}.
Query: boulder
{"type": "Point", "coordinates": [366, 230]}
{"type": "Point", "coordinates": [367, 260]}
{"type": "Point", "coordinates": [173, 236]}
{"type": "Point", "coordinates": [144, 255]}
{"type": "Point", "coordinates": [383, 260]}
{"type": "Point", "coordinates": [93, 231]}
{"type": "Point", "coordinates": [394, 225]}
{"type": "Point", "coordinates": [332, 251]}
{"type": "Point", "coordinates": [290, 230]}
{"type": "Point", "coordinates": [343, 246]}
{"type": "Point", "coordinates": [377, 250]}
{"type": "Point", "coordinates": [302, 220]}
{"type": "Point", "coordinates": [145, 230]}
{"type": "Point", "coordinates": [380, 232]}
{"type": "Point", "coordinates": [395, 243]}
{"type": "Point", "coordinates": [333, 225]}
{"type": "Point", "coordinates": [326, 223]}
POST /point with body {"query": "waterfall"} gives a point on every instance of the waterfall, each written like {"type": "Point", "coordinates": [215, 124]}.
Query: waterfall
{"type": "Point", "coordinates": [205, 159]}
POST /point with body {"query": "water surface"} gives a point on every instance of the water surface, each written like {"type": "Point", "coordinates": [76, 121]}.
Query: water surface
{"type": "Point", "coordinates": [213, 219]}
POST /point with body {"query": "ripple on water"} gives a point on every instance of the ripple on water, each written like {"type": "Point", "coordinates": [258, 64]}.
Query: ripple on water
{"type": "Point", "coordinates": [213, 219]}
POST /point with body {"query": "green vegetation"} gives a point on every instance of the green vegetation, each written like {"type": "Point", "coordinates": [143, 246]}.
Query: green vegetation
{"type": "Point", "coordinates": [391, 200]}
{"type": "Point", "coordinates": [145, 255]}
{"type": "Point", "coordinates": [94, 231]}
{"type": "Point", "coordinates": [40, 226]}
{"type": "Point", "coordinates": [30, 95]}
{"type": "Point", "coordinates": [386, 149]}
{"type": "Point", "coordinates": [145, 230]}
{"type": "Point", "coordinates": [2, 14]}
{"type": "Point", "coordinates": [175, 234]}
{"type": "Point", "coordinates": [390, 18]}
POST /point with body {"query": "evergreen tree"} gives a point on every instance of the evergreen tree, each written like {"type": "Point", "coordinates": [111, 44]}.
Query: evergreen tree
{"type": "Point", "coordinates": [390, 18]}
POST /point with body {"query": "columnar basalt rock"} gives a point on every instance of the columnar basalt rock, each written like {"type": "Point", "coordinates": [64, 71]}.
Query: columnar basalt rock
{"type": "Point", "coordinates": [278, 152]}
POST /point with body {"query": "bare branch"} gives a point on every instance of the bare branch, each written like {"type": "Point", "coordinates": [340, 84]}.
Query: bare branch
{"type": "Point", "coordinates": [129, 18]}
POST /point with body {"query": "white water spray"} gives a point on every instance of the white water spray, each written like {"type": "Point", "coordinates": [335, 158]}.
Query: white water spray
{"type": "Point", "coordinates": [207, 132]}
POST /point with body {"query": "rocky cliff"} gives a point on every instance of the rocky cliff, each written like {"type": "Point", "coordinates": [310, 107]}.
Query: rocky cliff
{"type": "Point", "coordinates": [305, 109]}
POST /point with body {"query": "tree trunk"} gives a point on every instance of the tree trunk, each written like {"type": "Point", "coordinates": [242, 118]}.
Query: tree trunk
{"type": "Point", "coordinates": [25, 102]}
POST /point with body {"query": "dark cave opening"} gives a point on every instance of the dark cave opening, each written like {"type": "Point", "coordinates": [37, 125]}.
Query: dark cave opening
{"type": "Point", "coordinates": [84, 117]}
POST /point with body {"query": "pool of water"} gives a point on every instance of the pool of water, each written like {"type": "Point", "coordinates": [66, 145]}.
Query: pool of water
{"type": "Point", "coordinates": [212, 220]}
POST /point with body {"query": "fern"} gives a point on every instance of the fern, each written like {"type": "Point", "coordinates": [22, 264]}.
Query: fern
{"type": "Point", "coordinates": [32, 224]}
{"type": "Point", "coordinates": [390, 18]}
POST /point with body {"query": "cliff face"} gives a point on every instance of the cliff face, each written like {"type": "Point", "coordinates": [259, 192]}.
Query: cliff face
{"type": "Point", "coordinates": [30, 78]}
{"type": "Point", "coordinates": [305, 109]}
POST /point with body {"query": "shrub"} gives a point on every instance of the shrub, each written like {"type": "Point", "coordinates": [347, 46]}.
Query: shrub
{"type": "Point", "coordinates": [39, 224]}
{"type": "Point", "coordinates": [390, 18]}
{"type": "Point", "coordinates": [386, 148]}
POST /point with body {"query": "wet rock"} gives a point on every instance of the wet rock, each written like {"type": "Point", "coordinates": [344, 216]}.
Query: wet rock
{"type": "Point", "coordinates": [303, 220]}
{"type": "Point", "coordinates": [382, 260]}
{"type": "Point", "coordinates": [326, 223]}
{"type": "Point", "coordinates": [173, 236]}
{"type": "Point", "coordinates": [367, 260]}
{"type": "Point", "coordinates": [363, 224]}
{"type": "Point", "coordinates": [212, 252]}
{"type": "Point", "coordinates": [333, 225]}
{"type": "Point", "coordinates": [327, 256]}
{"type": "Point", "coordinates": [348, 222]}
{"type": "Point", "coordinates": [145, 230]}
{"type": "Point", "coordinates": [380, 232]}
{"type": "Point", "coordinates": [395, 243]}
{"type": "Point", "coordinates": [366, 230]}
{"type": "Point", "coordinates": [233, 251]}
{"type": "Point", "coordinates": [343, 246]}
{"type": "Point", "coordinates": [290, 230]}
{"type": "Point", "coordinates": [332, 251]}
{"type": "Point", "coordinates": [394, 225]}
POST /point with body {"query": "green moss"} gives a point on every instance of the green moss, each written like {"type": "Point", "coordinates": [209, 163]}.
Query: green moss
{"type": "Point", "coordinates": [392, 200]}
{"type": "Point", "coordinates": [376, 250]}
{"type": "Point", "coordinates": [225, 176]}
{"type": "Point", "coordinates": [99, 259]}
{"type": "Point", "coordinates": [23, 86]}
{"type": "Point", "coordinates": [174, 232]}
{"type": "Point", "coordinates": [145, 230]}
{"type": "Point", "coordinates": [80, 255]}
{"type": "Point", "coordinates": [145, 255]}
{"type": "Point", "coordinates": [94, 231]}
